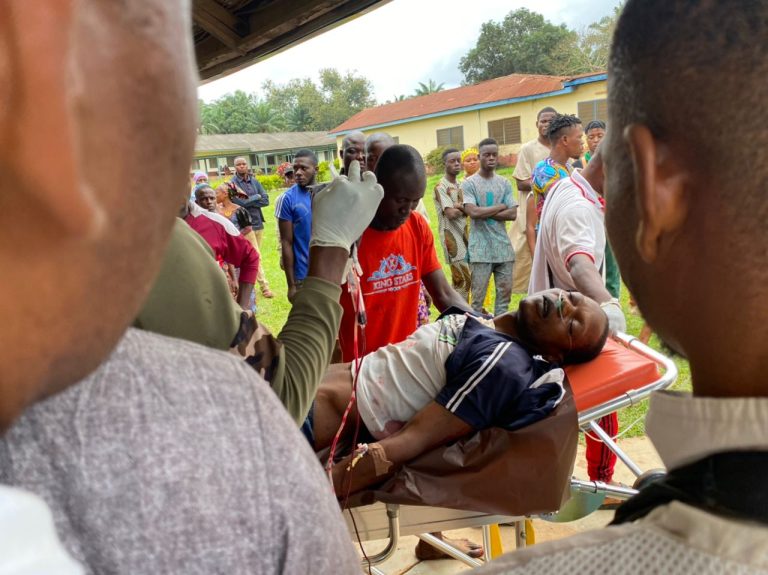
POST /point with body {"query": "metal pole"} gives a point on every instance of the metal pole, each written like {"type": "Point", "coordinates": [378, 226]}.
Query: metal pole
{"type": "Point", "coordinates": [450, 550]}
{"type": "Point", "coordinates": [393, 518]}
{"type": "Point", "coordinates": [520, 542]}
{"type": "Point", "coordinates": [487, 542]}
{"type": "Point", "coordinates": [600, 487]}
{"type": "Point", "coordinates": [613, 446]}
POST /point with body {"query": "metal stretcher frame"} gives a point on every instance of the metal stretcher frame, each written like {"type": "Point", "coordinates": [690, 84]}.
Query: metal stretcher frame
{"type": "Point", "coordinates": [390, 521]}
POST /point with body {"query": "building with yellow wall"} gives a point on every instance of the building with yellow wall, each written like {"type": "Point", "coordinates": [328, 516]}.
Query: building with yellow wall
{"type": "Point", "coordinates": [503, 108]}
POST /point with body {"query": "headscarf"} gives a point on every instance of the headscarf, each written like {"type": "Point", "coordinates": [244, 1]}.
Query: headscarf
{"type": "Point", "coordinates": [197, 175]}
{"type": "Point", "coordinates": [469, 152]}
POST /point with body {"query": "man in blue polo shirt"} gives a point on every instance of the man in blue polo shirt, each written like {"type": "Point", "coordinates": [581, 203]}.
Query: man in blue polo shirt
{"type": "Point", "coordinates": [294, 220]}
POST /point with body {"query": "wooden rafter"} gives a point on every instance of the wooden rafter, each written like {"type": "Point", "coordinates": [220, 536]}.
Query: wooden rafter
{"type": "Point", "coordinates": [219, 22]}
{"type": "Point", "coordinates": [231, 42]}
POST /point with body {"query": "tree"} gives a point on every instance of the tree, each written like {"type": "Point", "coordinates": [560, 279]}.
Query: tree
{"type": "Point", "coordinates": [397, 98]}
{"type": "Point", "coordinates": [309, 107]}
{"type": "Point", "coordinates": [298, 118]}
{"type": "Point", "coordinates": [429, 88]}
{"type": "Point", "coordinates": [588, 49]}
{"type": "Point", "coordinates": [524, 42]}
{"type": "Point", "coordinates": [267, 119]}
{"type": "Point", "coordinates": [343, 97]}
{"type": "Point", "coordinates": [298, 100]}
{"type": "Point", "coordinates": [298, 106]}
{"type": "Point", "coordinates": [238, 113]}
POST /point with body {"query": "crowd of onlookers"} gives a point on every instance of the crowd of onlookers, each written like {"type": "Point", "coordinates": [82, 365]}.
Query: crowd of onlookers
{"type": "Point", "coordinates": [476, 248]}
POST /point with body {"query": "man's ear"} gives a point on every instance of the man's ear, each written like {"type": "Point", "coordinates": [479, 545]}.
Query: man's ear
{"type": "Point", "coordinates": [38, 132]}
{"type": "Point", "coordinates": [660, 187]}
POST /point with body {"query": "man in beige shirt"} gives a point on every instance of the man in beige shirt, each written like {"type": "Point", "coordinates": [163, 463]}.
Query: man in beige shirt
{"type": "Point", "coordinates": [530, 154]}
{"type": "Point", "coordinates": [671, 217]}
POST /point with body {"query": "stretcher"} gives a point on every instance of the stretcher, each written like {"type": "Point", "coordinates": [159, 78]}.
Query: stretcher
{"type": "Point", "coordinates": [496, 476]}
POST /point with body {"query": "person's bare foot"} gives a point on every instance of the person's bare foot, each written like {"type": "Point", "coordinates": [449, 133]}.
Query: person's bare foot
{"type": "Point", "coordinates": [611, 503]}
{"type": "Point", "coordinates": [425, 551]}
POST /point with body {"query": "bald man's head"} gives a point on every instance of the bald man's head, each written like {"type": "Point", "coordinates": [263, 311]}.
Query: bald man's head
{"type": "Point", "coordinates": [375, 146]}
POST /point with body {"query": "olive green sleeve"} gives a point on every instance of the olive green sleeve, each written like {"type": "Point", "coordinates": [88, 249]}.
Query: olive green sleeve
{"type": "Point", "coordinates": [190, 299]}
{"type": "Point", "coordinates": [308, 338]}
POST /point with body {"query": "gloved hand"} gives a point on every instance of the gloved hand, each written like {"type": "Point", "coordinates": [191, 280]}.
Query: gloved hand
{"type": "Point", "coordinates": [616, 319]}
{"type": "Point", "coordinates": [342, 211]}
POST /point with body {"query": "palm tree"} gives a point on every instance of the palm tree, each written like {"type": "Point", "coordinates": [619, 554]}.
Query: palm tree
{"type": "Point", "coordinates": [298, 119]}
{"type": "Point", "coordinates": [266, 118]}
{"type": "Point", "coordinates": [208, 127]}
{"type": "Point", "coordinates": [429, 88]}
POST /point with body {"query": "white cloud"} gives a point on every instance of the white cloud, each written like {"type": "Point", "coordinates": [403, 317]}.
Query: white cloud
{"type": "Point", "coordinates": [401, 44]}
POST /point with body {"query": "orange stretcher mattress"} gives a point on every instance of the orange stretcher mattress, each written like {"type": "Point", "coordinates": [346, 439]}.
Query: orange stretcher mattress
{"type": "Point", "coordinates": [615, 371]}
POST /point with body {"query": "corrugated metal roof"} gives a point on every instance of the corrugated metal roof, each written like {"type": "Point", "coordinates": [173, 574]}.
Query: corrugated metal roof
{"type": "Point", "coordinates": [498, 89]}
{"type": "Point", "coordinates": [262, 142]}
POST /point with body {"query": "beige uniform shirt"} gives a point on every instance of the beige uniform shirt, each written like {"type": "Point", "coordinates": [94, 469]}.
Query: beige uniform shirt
{"type": "Point", "coordinates": [530, 154]}
{"type": "Point", "coordinates": [676, 538]}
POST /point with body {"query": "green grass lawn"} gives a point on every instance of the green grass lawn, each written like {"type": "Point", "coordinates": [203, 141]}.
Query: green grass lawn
{"type": "Point", "coordinates": [273, 312]}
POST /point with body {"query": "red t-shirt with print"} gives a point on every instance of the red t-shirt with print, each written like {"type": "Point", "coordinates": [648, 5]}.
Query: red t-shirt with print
{"type": "Point", "coordinates": [393, 263]}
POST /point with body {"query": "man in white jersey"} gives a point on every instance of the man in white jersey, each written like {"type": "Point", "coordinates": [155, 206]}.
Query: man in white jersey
{"type": "Point", "coordinates": [569, 256]}
{"type": "Point", "coordinates": [572, 241]}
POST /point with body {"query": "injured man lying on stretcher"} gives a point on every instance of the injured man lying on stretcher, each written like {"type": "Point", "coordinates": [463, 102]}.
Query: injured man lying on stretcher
{"type": "Point", "coordinates": [460, 374]}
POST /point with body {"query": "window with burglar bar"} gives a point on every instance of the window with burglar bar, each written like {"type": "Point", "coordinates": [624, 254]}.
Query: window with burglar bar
{"type": "Point", "coordinates": [593, 110]}
{"type": "Point", "coordinates": [505, 131]}
{"type": "Point", "coordinates": [451, 137]}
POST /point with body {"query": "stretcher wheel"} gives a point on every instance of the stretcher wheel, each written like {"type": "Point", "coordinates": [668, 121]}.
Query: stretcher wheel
{"type": "Point", "coordinates": [648, 477]}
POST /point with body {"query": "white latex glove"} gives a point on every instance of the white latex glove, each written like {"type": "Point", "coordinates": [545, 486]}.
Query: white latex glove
{"type": "Point", "coordinates": [342, 211]}
{"type": "Point", "coordinates": [616, 320]}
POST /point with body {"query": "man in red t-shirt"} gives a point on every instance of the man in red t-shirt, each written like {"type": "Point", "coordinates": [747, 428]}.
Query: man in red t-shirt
{"type": "Point", "coordinates": [396, 253]}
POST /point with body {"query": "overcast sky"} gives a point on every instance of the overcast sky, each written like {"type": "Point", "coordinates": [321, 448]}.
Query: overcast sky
{"type": "Point", "coordinates": [401, 44]}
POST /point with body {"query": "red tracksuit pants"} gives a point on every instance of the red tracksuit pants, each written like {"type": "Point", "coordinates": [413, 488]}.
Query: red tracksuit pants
{"type": "Point", "coordinates": [600, 459]}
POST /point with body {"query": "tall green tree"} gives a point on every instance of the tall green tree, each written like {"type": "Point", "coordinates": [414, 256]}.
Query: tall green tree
{"type": "Point", "coordinates": [299, 105]}
{"type": "Point", "coordinates": [524, 42]}
{"type": "Point", "coordinates": [267, 118]}
{"type": "Point", "coordinates": [299, 100]}
{"type": "Point", "coordinates": [297, 119]}
{"type": "Point", "coordinates": [429, 88]}
{"type": "Point", "coordinates": [238, 113]}
{"type": "Point", "coordinates": [309, 107]}
{"type": "Point", "coordinates": [588, 49]}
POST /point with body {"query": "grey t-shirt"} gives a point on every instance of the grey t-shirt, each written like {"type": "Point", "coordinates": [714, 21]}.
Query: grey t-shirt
{"type": "Point", "coordinates": [174, 458]}
{"type": "Point", "coordinates": [488, 240]}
